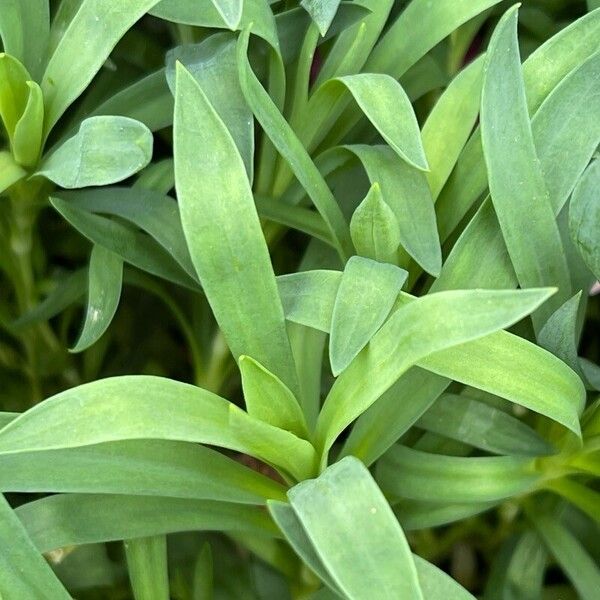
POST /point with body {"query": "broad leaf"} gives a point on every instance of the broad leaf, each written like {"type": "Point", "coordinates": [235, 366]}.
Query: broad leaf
{"type": "Point", "coordinates": [334, 510]}
{"type": "Point", "coordinates": [105, 150]}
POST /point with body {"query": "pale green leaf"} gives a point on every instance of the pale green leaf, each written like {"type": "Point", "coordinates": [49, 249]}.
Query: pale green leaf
{"type": "Point", "coordinates": [75, 519]}
{"type": "Point", "coordinates": [365, 297]}
{"type": "Point", "coordinates": [517, 187]}
{"type": "Point", "coordinates": [105, 150]}
{"type": "Point", "coordinates": [374, 228]}
{"type": "Point", "coordinates": [146, 407]}
{"type": "Point", "coordinates": [10, 171]}
{"type": "Point", "coordinates": [407, 473]}
{"type": "Point", "coordinates": [27, 138]}
{"type": "Point", "coordinates": [224, 235]}
{"type": "Point", "coordinates": [322, 12]}
{"type": "Point", "coordinates": [24, 573]}
{"type": "Point", "coordinates": [88, 40]}
{"type": "Point", "coordinates": [269, 399]}
{"type": "Point", "coordinates": [406, 339]}
{"type": "Point", "coordinates": [334, 510]}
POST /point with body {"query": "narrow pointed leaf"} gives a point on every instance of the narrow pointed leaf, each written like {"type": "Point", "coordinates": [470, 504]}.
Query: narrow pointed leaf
{"type": "Point", "coordinates": [405, 339]}
{"type": "Point", "coordinates": [91, 35]}
{"type": "Point", "coordinates": [13, 91]}
{"type": "Point", "coordinates": [467, 420]}
{"type": "Point", "coordinates": [154, 213]}
{"type": "Point", "coordinates": [374, 228]}
{"type": "Point", "coordinates": [450, 124]}
{"type": "Point", "coordinates": [406, 191]}
{"type": "Point", "coordinates": [230, 11]}
{"type": "Point", "coordinates": [422, 476]}
{"type": "Point", "coordinates": [290, 147]}
{"type": "Point", "coordinates": [146, 407]}
{"type": "Point", "coordinates": [147, 566]}
{"type": "Point", "coordinates": [141, 467]}
{"type": "Point", "coordinates": [74, 519]}
{"type": "Point", "coordinates": [517, 187]}
{"type": "Point", "coordinates": [105, 279]}
{"type": "Point", "coordinates": [366, 295]}
{"type": "Point", "coordinates": [322, 12]}
{"type": "Point", "coordinates": [269, 399]}
{"type": "Point", "coordinates": [132, 246]}
{"type": "Point", "coordinates": [24, 573]}
{"type": "Point", "coordinates": [224, 234]}
{"type": "Point", "coordinates": [105, 150]}
{"type": "Point", "coordinates": [584, 217]}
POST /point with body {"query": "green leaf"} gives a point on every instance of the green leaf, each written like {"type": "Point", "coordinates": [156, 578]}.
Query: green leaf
{"type": "Point", "coordinates": [584, 498]}
{"type": "Point", "coordinates": [269, 399]}
{"type": "Point", "coordinates": [24, 29]}
{"type": "Point", "coordinates": [140, 467]}
{"type": "Point", "coordinates": [389, 109]}
{"type": "Point", "coordinates": [74, 519]}
{"type": "Point", "coordinates": [423, 514]}
{"type": "Point", "coordinates": [518, 570]}
{"type": "Point", "coordinates": [105, 150]}
{"type": "Point", "coordinates": [10, 171]}
{"type": "Point", "coordinates": [66, 292]}
{"type": "Point", "coordinates": [213, 65]}
{"type": "Point", "coordinates": [202, 13]}
{"type": "Point", "coordinates": [556, 391]}
{"type": "Point", "coordinates": [13, 92]}
{"type": "Point", "coordinates": [27, 138]}
{"type": "Point", "coordinates": [308, 297]}
{"type": "Point", "coordinates": [579, 566]}
{"type": "Point", "coordinates": [334, 510]}
{"type": "Point", "coordinates": [467, 420]}
{"type": "Point", "coordinates": [290, 147]}
{"type": "Point", "coordinates": [224, 234]}
{"type": "Point", "coordinates": [230, 11]}
{"type": "Point", "coordinates": [559, 334]}
{"type": "Point", "coordinates": [132, 246]}
{"type": "Point", "coordinates": [24, 573]}
{"type": "Point", "coordinates": [422, 476]}
{"type": "Point", "coordinates": [322, 12]}
{"type": "Point", "coordinates": [515, 176]}
{"type": "Point", "coordinates": [146, 407]}
{"type": "Point", "coordinates": [148, 101]}
{"type": "Point", "coordinates": [418, 29]}
{"type": "Point", "coordinates": [365, 297]}
{"type": "Point", "coordinates": [91, 35]}
{"type": "Point", "coordinates": [584, 217]}
{"type": "Point", "coordinates": [157, 177]}
{"type": "Point", "coordinates": [450, 124]}
{"type": "Point", "coordinates": [7, 417]}
{"type": "Point", "coordinates": [147, 566]}
{"type": "Point", "coordinates": [406, 339]}
{"type": "Point", "coordinates": [406, 191]}
{"type": "Point", "coordinates": [152, 212]}
{"type": "Point", "coordinates": [374, 228]}
{"type": "Point", "coordinates": [203, 575]}
{"type": "Point", "coordinates": [105, 279]}
{"type": "Point", "coordinates": [549, 67]}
